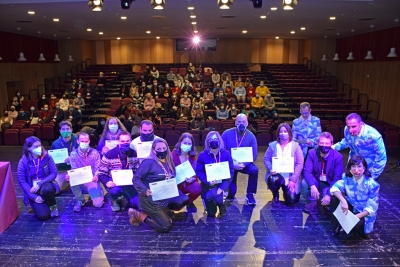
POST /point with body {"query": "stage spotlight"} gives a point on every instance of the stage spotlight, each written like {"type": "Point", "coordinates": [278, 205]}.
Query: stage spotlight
{"type": "Point", "coordinates": [257, 3]}
{"type": "Point", "coordinates": [126, 4]}
{"type": "Point", "coordinates": [96, 5]}
{"type": "Point", "coordinates": [289, 4]}
{"type": "Point", "coordinates": [225, 4]}
{"type": "Point", "coordinates": [157, 4]}
{"type": "Point", "coordinates": [196, 40]}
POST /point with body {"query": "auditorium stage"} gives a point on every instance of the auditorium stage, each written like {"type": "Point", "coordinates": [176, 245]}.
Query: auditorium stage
{"type": "Point", "coordinates": [249, 236]}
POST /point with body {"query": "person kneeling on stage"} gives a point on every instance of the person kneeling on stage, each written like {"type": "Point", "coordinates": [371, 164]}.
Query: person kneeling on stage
{"type": "Point", "coordinates": [357, 192]}
{"type": "Point", "coordinates": [119, 158]}
{"type": "Point", "coordinates": [214, 189]}
{"type": "Point", "coordinates": [157, 167]}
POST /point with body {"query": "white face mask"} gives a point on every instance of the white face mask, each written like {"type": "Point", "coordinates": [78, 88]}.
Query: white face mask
{"type": "Point", "coordinates": [113, 128]}
{"type": "Point", "coordinates": [186, 148]}
{"type": "Point", "coordinates": [37, 151]}
{"type": "Point", "coordinates": [83, 146]}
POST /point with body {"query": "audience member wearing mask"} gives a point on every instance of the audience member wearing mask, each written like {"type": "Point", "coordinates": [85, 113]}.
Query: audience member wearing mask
{"type": "Point", "coordinates": [198, 123]}
{"type": "Point", "coordinates": [240, 93]}
{"type": "Point", "coordinates": [146, 134]}
{"type": "Point", "coordinates": [208, 99]}
{"type": "Point", "coordinates": [45, 114]}
{"type": "Point", "coordinates": [257, 103]}
{"type": "Point", "coordinates": [216, 78]}
{"type": "Point", "coordinates": [149, 103]}
{"type": "Point", "coordinates": [222, 113]}
{"type": "Point", "coordinates": [17, 100]}
{"type": "Point", "coordinates": [111, 131]}
{"type": "Point", "coordinates": [13, 113]}
{"type": "Point", "coordinates": [269, 106]}
{"type": "Point", "coordinates": [23, 116]}
{"type": "Point", "coordinates": [262, 90]}
{"type": "Point", "coordinates": [185, 100]}
{"type": "Point", "coordinates": [43, 101]}
{"type": "Point", "coordinates": [5, 121]}
{"type": "Point", "coordinates": [221, 99]}
{"type": "Point", "coordinates": [64, 102]}
{"type": "Point", "coordinates": [249, 112]}
{"type": "Point", "coordinates": [52, 102]}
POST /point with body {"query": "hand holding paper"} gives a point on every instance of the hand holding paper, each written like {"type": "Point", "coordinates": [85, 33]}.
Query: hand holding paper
{"type": "Point", "coordinates": [80, 176]}
{"type": "Point", "coordinates": [59, 155]}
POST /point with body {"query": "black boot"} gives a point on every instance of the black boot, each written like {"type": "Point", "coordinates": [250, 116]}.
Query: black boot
{"type": "Point", "coordinates": [336, 231]}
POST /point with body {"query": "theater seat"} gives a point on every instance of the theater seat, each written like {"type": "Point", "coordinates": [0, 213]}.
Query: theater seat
{"type": "Point", "coordinates": [217, 125]}
{"type": "Point", "coordinates": [335, 131]}
{"type": "Point", "coordinates": [24, 134]}
{"type": "Point", "coordinates": [38, 130]}
{"type": "Point", "coordinates": [391, 139]}
{"type": "Point", "coordinates": [172, 137]}
{"type": "Point", "coordinates": [263, 139]}
{"type": "Point", "coordinates": [159, 133]}
{"type": "Point", "coordinates": [110, 112]}
{"type": "Point", "coordinates": [11, 137]}
{"type": "Point", "coordinates": [115, 103]}
{"type": "Point", "coordinates": [48, 133]}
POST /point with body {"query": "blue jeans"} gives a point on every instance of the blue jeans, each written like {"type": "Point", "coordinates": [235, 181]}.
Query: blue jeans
{"type": "Point", "coordinates": [252, 171]}
{"type": "Point", "coordinates": [323, 188]}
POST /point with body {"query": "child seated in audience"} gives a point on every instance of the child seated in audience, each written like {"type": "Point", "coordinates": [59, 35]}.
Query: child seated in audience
{"type": "Point", "coordinates": [233, 111]}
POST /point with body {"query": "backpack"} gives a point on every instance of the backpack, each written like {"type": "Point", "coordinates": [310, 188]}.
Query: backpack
{"type": "Point", "coordinates": [5, 126]}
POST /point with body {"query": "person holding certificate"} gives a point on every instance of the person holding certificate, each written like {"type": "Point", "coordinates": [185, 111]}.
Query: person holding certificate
{"type": "Point", "coordinates": [36, 174]}
{"type": "Point", "coordinates": [142, 142]}
{"type": "Point", "coordinates": [185, 150]}
{"type": "Point", "coordinates": [215, 185]}
{"type": "Point", "coordinates": [157, 167]}
{"type": "Point", "coordinates": [284, 163]}
{"type": "Point", "coordinates": [120, 157]}
{"type": "Point", "coordinates": [240, 138]}
{"type": "Point", "coordinates": [111, 131]}
{"type": "Point", "coordinates": [81, 157]}
{"type": "Point", "coordinates": [67, 140]}
{"type": "Point", "coordinates": [357, 192]}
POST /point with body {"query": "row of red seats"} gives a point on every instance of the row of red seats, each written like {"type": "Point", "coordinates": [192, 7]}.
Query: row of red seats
{"type": "Point", "coordinates": [17, 133]}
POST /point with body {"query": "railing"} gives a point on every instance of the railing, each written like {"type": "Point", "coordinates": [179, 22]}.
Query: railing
{"type": "Point", "coordinates": [352, 93]}
{"type": "Point", "coordinates": [363, 100]}
{"type": "Point", "coordinates": [346, 88]}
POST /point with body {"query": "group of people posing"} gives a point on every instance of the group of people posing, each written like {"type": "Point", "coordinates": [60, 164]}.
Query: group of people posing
{"type": "Point", "coordinates": [301, 156]}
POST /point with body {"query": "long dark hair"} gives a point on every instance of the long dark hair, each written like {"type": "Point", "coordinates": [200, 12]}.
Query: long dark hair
{"type": "Point", "coordinates": [28, 143]}
{"type": "Point", "coordinates": [192, 152]}
{"type": "Point", "coordinates": [355, 160]}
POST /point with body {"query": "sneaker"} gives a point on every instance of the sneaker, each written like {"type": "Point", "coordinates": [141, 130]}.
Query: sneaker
{"type": "Point", "coordinates": [78, 205]}
{"type": "Point", "coordinates": [191, 207]}
{"type": "Point", "coordinates": [250, 199]}
{"type": "Point", "coordinates": [115, 205]}
{"type": "Point", "coordinates": [53, 211]}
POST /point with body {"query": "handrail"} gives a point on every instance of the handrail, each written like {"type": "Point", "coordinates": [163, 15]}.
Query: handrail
{"type": "Point", "coordinates": [346, 86]}
{"type": "Point", "coordinates": [88, 60]}
{"type": "Point", "coordinates": [379, 106]}
{"type": "Point", "coordinates": [360, 96]}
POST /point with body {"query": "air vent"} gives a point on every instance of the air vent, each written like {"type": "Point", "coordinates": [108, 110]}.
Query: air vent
{"type": "Point", "coordinates": [158, 17]}
{"type": "Point", "coordinates": [366, 19]}
{"type": "Point", "coordinates": [228, 17]}
{"type": "Point", "coordinates": [24, 21]}
{"type": "Point", "coordinates": [329, 29]}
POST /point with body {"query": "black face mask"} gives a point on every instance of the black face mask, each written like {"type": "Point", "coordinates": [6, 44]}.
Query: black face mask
{"type": "Point", "coordinates": [162, 155]}
{"type": "Point", "coordinates": [324, 149]}
{"type": "Point", "coordinates": [124, 148]}
{"type": "Point", "coordinates": [147, 137]}
{"type": "Point", "coordinates": [214, 144]}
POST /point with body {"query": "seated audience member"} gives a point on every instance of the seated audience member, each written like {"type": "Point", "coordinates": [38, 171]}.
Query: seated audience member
{"type": "Point", "coordinates": [228, 83]}
{"type": "Point", "coordinates": [89, 94]}
{"type": "Point", "coordinates": [112, 128]}
{"type": "Point", "coordinates": [357, 192]}
{"type": "Point", "coordinates": [144, 89]}
{"type": "Point", "coordinates": [253, 125]}
{"type": "Point", "coordinates": [289, 182]}
{"type": "Point", "coordinates": [33, 115]}
{"type": "Point", "coordinates": [171, 77]}
{"type": "Point", "coordinates": [120, 157]}
{"type": "Point", "coordinates": [247, 82]}
{"type": "Point", "coordinates": [42, 101]}
{"type": "Point", "coordinates": [23, 116]}
{"type": "Point", "coordinates": [185, 100]}
{"type": "Point", "coordinates": [166, 93]}
{"type": "Point", "coordinates": [179, 79]}
{"type": "Point", "coordinates": [196, 109]}
{"type": "Point", "coordinates": [101, 84]}
{"type": "Point", "coordinates": [45, 114]}
{"type": "Point", "coordinates": [262, 90]}
{"type": "Point", "coordinates": [187, 88]}
{"type": "Point", "coordinates": [218, 88]}
{"type": "Point", "coordinates": [222, 113]}
{"type": "Point", "coordinates": [154, 72]}
{"type": "Point", "coordinates": [79, 104]}
{"type": "Point", "coordinates": [137, 101]}
{"type": "Point", "coordinates": [240, 93]}
{"type": "Point", "coordinates": [149, 103]}
{"type": "Point", "coordinates": [221, 99]}
{"type": "Point", "coordinates": [100, 127]}
{"type": "Point", "coordinates": [52, 101]}
{"type": "Point", "coordinates": [13, 113]}
{"type": "Point", "coordinates": [157, 167]}
{"type": "Point", "coordinates": [176, 89]}
{"type": "Point", "coordinates": [197, 123]}
{"type": "Point", "coordinates": [250, 92]}
{"type": "Point", "coordinates": [133, 90]}
{"type": "Point", "coordinates": [17, 100]}
{"type": "Point", "coordinates": [269, 106]}
{"type": "Point", "coordinates": [71, 90]}
{"type": "Point", "coordinates": [122, 110]}
{"type": "Point", "coordinates": [173, 104]}
{"type": "Point", "coordinates": [64, 102]}
{"type": "Point", "coordinates": [185, 150]}
{"type": "Point", "coordinates": [183, 112]}
{"type": "Point", "coordinates": [36, 174]}
{"type": "Point", "coordinates": [199, 71]}
{"type": "Point", "coordinates": [141, 80]}
{"type": "Point", "coordinates": [233, 111]}
{"type": "Point", "coordinates": [216, 78]}
{"type": "Point", "coordinates": [238, 82]}
{"type": "Point", "coordinates": [154, 88]}
{"type": "Point", "coordinates": [135, 129]}
{"type": "Point", "coordinates": [66, 140]}
{"type": "Point", "coordinates": [226, 76]}
{"type": "Point", "coordinates": [198, 86]}
{"type": "Point", "coordinates": [155, 118]}
{"type": "Point", "coordinates": [249, 112]}
{"type": "Point", "coordinates": [72, 116]}
{"type": "Point", "coordinates": [214, 192]}
{"type": "Point", "coordinates": [257, 104]}
{"type": "Point", "coordinates": [191, 70]}
{"type": "Point", "coordinates": [197, 98]}
{"type": "Point", "coordinates": [208, 99]}
{"type": "Point", "coordinates": [5, 121]}
{"type": "Point", "coordinates": [57, 115]}
{"type": "Point", "coordinates": [81, 157]}
{"type": "Point", "coordinates": [228, 90]}
{"type": "Point", "coordinates": [276, 120]}
{"type": "Point", "coordinates": [323, 167]}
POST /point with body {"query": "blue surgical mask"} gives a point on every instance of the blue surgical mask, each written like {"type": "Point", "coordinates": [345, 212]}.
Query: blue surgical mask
{"type": "Point", "coordinates": [83, 146]}
{"type": "Point", "coordinates": [186, 148]}
{"type": "Point", "coordinates": [113, 128]}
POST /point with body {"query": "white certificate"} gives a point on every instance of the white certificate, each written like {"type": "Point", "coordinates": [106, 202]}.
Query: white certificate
{"type": "Point", "coordinates": [111, 143]}
{"type": "Point", "coordinates": [80, 176]}
{"type": "Point", "coordinates": [242, 154]}
{"type": "Point", "coordinates": [59, 155]}
{"type": "Point", "coordinates": [143, 149]}
{"type": "Point", "coordinates": [218, 171]}
{"type": "Point", "coordinates": [346, 221]}
{"type": "Point", "coordinates": [164, 189]}
{"type": "Point", "coordinates": [122, 177]}
{"type": "Point", "coordinates": [183, 171]}
{"type": "Point", "coordinates": [283, 164]}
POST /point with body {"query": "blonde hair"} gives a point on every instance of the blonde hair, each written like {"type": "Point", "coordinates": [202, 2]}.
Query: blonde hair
{"type": "Point", "coordinates": [168, 158]}
{"type": "Point", "coordinates": [208, 138]}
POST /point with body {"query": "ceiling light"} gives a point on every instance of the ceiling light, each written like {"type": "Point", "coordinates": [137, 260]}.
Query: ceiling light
{"type": "Point", "coordinates": [196, 39]}
{"type": "Point", "coordinates": [263, 17]}
{"type": "Point", "coordinates": [96, 5]}
{"type": "Point", "coordinates": [123, 17]}
{"type": "Point", "coordinates": [289, 4]}
{"type": "Point", "coordinates": [126, 4]}
{"type": "Point", "coordinates": [158, 37]}
{"type": "Point", "coordinates": [89, 30]}
{"type": "Point", "coordinates": [277, 37]}
{"type": "Point", "coordinates": [118, 38]}
{"type": "Point", "coordinates": [192, 16]}
{"type": "Point", "coordinates": [392, 52]}
{"type": "Point", "coordinates": [332, 18]}
{"type": "Point", "coordinates": [244, 31]}
{"type": "Point", "coordinates": [303, 28]}
{"type": "Point", "coordinates": [292, 32]}
{"type": "Point", "coordinates": [225, 4]}
{"type": "Point", "coordinates": [97, 2]}
{"type": "Point", "coordinates": [56, 19]}
{"type": "Point", "coordinates": [31, 12]}
{"type": "Point", "coordinates": [194, 22]}
{"type": "Point", "coordinates": [274, 8]}
{"type": "Point", "coordinates": [196, 31]}
{"type": "Point", "coordinates": [157, 4]}
{"type": "Point", "coordinates": [148, 32]}
{"type": "Point", "coordinates": [101, 33]}
{"type": "Point", "coordinates": [190, 7]}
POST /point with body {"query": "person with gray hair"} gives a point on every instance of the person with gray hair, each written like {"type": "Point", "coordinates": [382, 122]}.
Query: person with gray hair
{"type": "Point", "coordinates": [366, 141]}
{"type": "Point", "coordinates": [323, 167]}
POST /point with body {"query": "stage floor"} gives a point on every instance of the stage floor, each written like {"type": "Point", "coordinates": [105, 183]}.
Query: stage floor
{"type": "Point", "coordinates": [248, 236]}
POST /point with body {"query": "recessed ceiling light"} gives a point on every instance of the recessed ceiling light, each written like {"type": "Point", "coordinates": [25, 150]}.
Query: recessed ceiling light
{"type": "Point", "coordinates": [148, 32]}
{"type": "Point", "coordinates": [263, 17]}
{"type": "Point", "coordinates": [158, 37]}
{"type": "Point", "coordinates": [190, 7]}
{"type": "Point", "coordinates": [194, 22]}
{"type": "Point", "coordinates": [118, 38]}
{"type": "Point", "coordinates": [89, 30]}
{"type": "Point", "coordinates": [196, 31]}
{"type": "Point", "coordinates": [292, 32]}
{"type": "Point", "coordinates": [101, 33]}
{"type": "Point", "coordinates": [31, 12]}
{"type": "Point", "coordinates": [244, 31]}
{"type": "Point", "coordinates": [274, 8]}
{"type": "Point", "coordinates": [192, 16]}
{"type": "Point", "coordinates": [332, 18]}
{"type": "Point", "coordinates": [123, 17]}
{"type": "Point", "coordinates": [277, 37]}
{"type": "Point", "coordinates": [56, 19]}
{"type": "Point", "coordinates": [303, 28]}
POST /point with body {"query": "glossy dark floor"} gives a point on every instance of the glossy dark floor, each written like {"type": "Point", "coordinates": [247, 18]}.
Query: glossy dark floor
{"type": "Point", "coordinates": [259, 236]}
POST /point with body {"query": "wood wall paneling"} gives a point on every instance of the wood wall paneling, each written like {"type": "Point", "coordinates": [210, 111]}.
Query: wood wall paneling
{"type": "Point", "coordinates": [100, 53]}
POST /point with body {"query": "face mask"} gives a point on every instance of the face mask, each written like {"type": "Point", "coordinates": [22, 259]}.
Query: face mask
{"type": "Point", "coordinates": [136, 95]}
{"type": "Point", "coordinates": [37, 151]}
{"type": "Point", "coordinates": [53, 97]}
{"type": "Point", "coordinates": [261, 84]}
{"type": "Point", "coordinates": [166, 87]}
{"type": "Point", "coordinates": [124, 148]}
{"type": "Point", "coordinates": [176, 85]}
{"type": "Point", "coordinates": [18, 94]}
{"type": "Point", "coordinates": [268, 96]}
{"type": "Point", "coordinates": [222, 107]}
{"type": "Point", "coordinates": [66, 134]}
{"type": "Point", "coordinates": [174, 97]}
{"type": "Point", "coordinates": [88, 94]}
{"type": "Point", "coordinates": [154, 84]}
{"type": "Point", "coordinates": [13, 109]}
{"type": "Point", "coordinates": [147, 137]}
{"type": "Point", "coordinates": [324, 149]}
{"type": "Point", "coordinates": [162, 155]}
{"type": "Point", "coordinates": [43, 97]}
{"type": "Point", "coordinates": [57, 107]}
{"type": "Point", "coordinates": [32, 109]}
{"type": "Point", "coordinates": [5, 114]}
{"type": "Point", "coordinates": [214, 144]}
{"type": "Point", "coordinates": [198, 96]}
{"type": "Point", "coordinates": [102, 123]}
{"type": "Point", "coordinates": [186, 148]}
{"type": "Point", "coordinates": [284, 136]}
{"type": "Point", "coordinates": [241, 127]}
{"type": "Point", "coordinates": [83, 146]}
{"type": "Point", "coordinates": [113, 128]}
{"type": "Point", "coordinates": [221, 94]}
{"type": "Point", "coordinates": [71, 109]}
{"type": "Point", "coordinates": [182, 105]}
{"type": "Point", "coordinates": [46, 109]}
{"type": "Point", "coordinates": [143, 85]}
{"type": "Point", "coordinates": [79, 96]}
{"type": "Point", "coordinates": [257, 96]}
{"type": "Point", "coordinates": [185, 96]}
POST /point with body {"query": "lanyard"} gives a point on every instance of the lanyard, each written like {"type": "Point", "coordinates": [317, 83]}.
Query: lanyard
{"type": "Point", "coordinates": [70, 147]}
{"type": "Point", "coordinates": [323, 166]}
{"type": "Point", "coordinates": [167, 174]}
{"type": "Point", "coordinates": [37, 167]}
{"type": "Point", "coordinates": [241, 140]}
{"type": "Point", "coordinates": [126, 165]}
{"type": "Point", "coordinates": [219, 158]}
